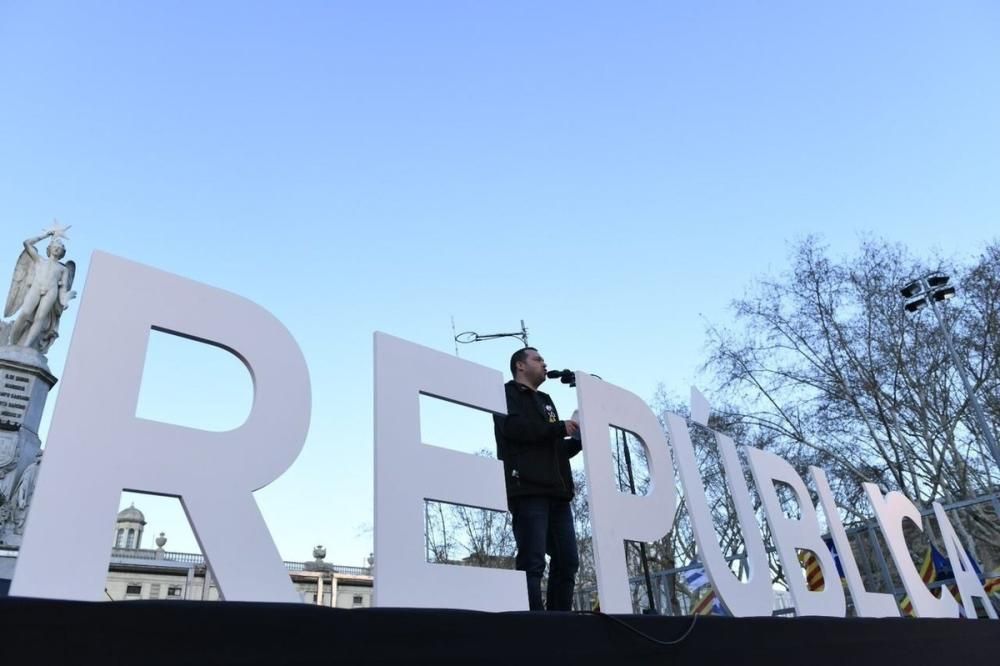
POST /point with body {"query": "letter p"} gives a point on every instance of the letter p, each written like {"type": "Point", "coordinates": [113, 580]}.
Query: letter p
{"type": "Point", "coordinates": [616, 516]}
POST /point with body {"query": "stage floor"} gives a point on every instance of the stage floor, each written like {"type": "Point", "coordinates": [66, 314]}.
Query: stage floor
{"type": "Point", "coordinates": [180, 632]}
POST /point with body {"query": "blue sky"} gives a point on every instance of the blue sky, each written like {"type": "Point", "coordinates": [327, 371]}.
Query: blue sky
{"type": "Point", "coordinates": [612, 173]}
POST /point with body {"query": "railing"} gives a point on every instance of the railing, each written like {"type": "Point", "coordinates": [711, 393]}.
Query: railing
{"type": "Point", "coordinates": [336, 568]}
{"type": "Point", "coordinates": [197, 559]}
{"type": "Point", "coordinates": [167, 556]}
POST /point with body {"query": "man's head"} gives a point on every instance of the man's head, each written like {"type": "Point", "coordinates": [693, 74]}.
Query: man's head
{"type": "Point", "coordinates": [528, 367]}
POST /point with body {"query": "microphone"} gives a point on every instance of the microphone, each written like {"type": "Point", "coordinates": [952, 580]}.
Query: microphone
{"type": "Point", "coordinates": [565, 376]}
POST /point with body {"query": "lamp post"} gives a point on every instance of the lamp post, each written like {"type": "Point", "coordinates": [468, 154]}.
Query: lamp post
{"type": "Point", "coordinates": [931, 289]}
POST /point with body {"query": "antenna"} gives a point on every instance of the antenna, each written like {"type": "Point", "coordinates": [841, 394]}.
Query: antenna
{"type": "Point", "coordinates": [454, 336]}
{"type": "Point", "coordinates": [471, 336]}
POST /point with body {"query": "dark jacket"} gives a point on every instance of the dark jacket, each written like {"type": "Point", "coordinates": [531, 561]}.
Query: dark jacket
{"type": "Point", "coordinates": [531, 442]}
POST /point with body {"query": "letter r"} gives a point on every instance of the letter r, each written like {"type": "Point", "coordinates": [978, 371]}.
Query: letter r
{"type": "Point", "coordinates": [97, 447]}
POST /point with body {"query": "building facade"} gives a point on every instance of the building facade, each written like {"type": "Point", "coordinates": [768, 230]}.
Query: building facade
{"type": "Point", "coordinates": [156, 573]}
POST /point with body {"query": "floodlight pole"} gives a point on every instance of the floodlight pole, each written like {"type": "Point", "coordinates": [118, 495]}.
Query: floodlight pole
{"type": "Point", "coordinates": [930, 293]}
{"type": "Point", "coordinates": [976, 407]}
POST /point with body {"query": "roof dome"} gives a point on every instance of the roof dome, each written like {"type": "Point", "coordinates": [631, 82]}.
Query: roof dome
{"type": "Point", "coordinates": [131, 515]}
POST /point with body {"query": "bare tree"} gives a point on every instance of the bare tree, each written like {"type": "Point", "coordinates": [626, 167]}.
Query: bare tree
{"type": "Point", "coordinates": [459, 534]}
{"type": "Point", "coordinates": [824, 367]}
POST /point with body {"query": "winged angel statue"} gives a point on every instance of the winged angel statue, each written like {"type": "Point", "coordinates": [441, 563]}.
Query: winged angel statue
{"type": "Point", "coordinates": [39, 292]}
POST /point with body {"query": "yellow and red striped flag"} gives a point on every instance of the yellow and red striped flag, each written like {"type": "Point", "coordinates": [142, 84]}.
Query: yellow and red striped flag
{"type": "Point", "coordinates": [928, 573]}
{"type": "Point", "coordinates": [706, 603]}
{"type": "Point", "coordinates": [992, 585]}
{"type": "Point", "coordinates": [814, 573]}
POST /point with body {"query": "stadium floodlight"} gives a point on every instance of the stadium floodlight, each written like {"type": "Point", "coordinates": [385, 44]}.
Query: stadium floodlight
{"type": "Point", "coordinates": [911, 290]}
{"type": "Point", "coordinates": [928, 290]}
{"type": "Point", "coordinates": [944, 294]}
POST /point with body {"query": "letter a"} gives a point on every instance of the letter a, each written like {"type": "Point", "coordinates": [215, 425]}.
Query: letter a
{"type": "Point", "coordinates": [969, 586]}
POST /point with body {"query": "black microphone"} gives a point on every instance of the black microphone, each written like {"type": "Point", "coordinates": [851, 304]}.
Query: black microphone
{"type": "Point", "coordinates": [565, 376]}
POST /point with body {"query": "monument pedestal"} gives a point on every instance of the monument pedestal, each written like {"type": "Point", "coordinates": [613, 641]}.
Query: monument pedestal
{"type": "Point", "coordinates": [25, 382]}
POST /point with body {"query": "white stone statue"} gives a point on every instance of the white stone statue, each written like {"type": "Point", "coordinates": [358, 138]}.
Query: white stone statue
{"type": "Point", "coordinates": [39, 292]}
{"type": "Point", "coordinates": [8, 475]}
{"type": "Point", "coordinates": [21, 497]}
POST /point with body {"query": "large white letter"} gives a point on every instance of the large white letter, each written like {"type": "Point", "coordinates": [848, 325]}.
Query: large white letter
{"type": "Point", "coordinates": [968, 582]}
{"type": "Point", "coordinates": [890, 512]}
{"type": "Point", "coordinates": [97, 447]}
{"type": "Point", "coordinates": [754, 597]}
{"type": "Point", "coordinates": [616, 516]}
{"type": "Point", "coordinates": [790, 534]}
{"type": "Point", "coordinates": [407, 473]}
{"type": "Point", "coordinates": [866, 604]}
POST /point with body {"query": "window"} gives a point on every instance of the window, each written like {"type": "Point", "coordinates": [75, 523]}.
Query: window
{"type": "Point", "coordinates": [120, 539]}
{"type": "Point", "coordinates": [154, 591]}
{"type": "Point", "coordinates": [358, 600]}
{"type": "Point", "coordinates": [133, 590]}
{"type": "Point", "coordinates": [174, 592]}
{"type": "Point", "coordinates": [131, 539]}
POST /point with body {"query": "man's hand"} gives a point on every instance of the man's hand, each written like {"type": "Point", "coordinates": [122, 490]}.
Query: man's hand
{"type": "Point", "coordinates": [572, 428]}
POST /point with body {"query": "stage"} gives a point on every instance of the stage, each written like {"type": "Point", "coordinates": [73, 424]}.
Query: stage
{"type": "Point", "coordinates": [180, 632]}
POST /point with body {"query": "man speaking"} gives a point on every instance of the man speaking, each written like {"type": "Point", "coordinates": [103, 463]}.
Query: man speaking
{"type": "Point", "coordinates": [532, 443]}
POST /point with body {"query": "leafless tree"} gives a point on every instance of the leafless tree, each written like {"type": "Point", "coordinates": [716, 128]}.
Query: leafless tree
{"type": "Point", "coordinates": [468, 535]}
{"type": "Point", "coordinates": [824, 367]}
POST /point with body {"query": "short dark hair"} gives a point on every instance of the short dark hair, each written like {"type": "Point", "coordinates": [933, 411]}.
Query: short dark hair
{"type": "Point", "coordinates": [519, 355]}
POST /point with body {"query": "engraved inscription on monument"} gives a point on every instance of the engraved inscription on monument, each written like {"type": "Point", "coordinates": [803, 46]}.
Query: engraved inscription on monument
{"type": "Point", "coordinates": [15, 393]}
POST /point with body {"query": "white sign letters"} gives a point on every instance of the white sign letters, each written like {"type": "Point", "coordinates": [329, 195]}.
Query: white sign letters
{"type": "Point", "coordinates": [97, 447]}
{"type": "Point", "coordinates": [742, 599]}
{"type": "Point", "coordinates": [617, 516]}
{"type": "Point", "coordinates": [407, 472]}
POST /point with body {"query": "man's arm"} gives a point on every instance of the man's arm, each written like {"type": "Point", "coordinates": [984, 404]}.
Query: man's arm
{"type": "Point", "coordinates": [525, 430]}
{"type": "Point", "coordinates": [524, 426]}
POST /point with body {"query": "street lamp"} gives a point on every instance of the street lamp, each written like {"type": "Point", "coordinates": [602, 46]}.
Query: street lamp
{"type": "Point", "coordinates": [931, 289]}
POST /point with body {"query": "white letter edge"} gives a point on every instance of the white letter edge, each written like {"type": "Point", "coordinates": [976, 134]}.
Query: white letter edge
{"type": "Point", "coordinates": [97, 447]}
{"type": "Point", "coordinates": [968, 582]}
{"type": "Point", "coordinates": [753, 597]}
{"type": "Point", "coordinates": [866, 604]}
{"type": "Point", "coordinates": [791, 534]}
{"type": "Point", "coordinates": [616, 516]}
{"type": "Point", "coordinates": [890, 511]}
{"type": "Point", "coordinates": [408, 472]}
